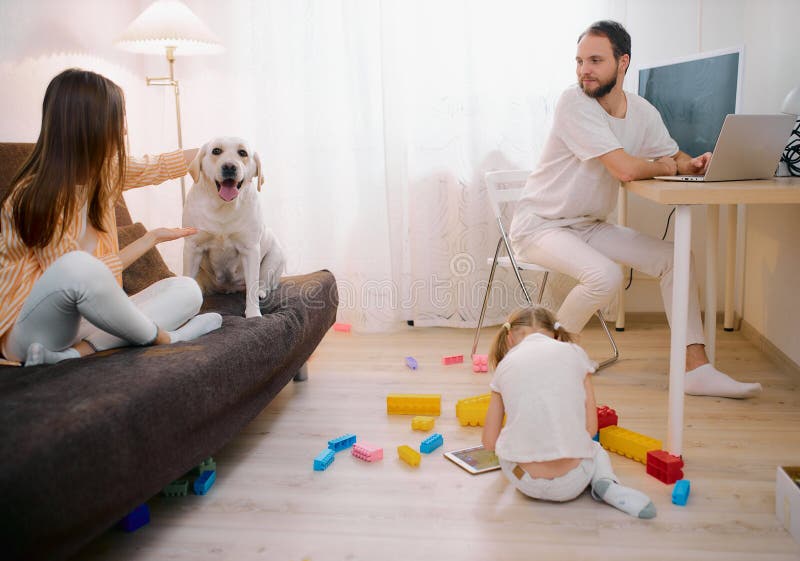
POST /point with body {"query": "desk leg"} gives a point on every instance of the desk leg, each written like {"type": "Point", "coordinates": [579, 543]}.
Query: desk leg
{"type": "Point", "coordinates": [730, 267]}
{"type": "Point", "coordinates": [622, 220]}
{"type": "Point", "coordinates": [712, 251]}
{"type": "Point", "coordinates": [680, 314]}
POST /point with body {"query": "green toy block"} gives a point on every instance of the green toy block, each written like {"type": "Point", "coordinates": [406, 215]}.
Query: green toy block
{"type": "Point", "coordinates": [178, 488]}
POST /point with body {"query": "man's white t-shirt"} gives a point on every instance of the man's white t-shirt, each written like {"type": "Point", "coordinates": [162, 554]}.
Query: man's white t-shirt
{"type": "Point", "coordinates": [570, 184]}
{"type": "Point", "coordinates": [541, 382]}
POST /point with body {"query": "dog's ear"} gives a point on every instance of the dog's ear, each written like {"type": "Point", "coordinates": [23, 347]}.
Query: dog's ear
{"type": "Point", "coordinates": [197, 164]}
{"type": "Point", "coordinates": [259, 176]}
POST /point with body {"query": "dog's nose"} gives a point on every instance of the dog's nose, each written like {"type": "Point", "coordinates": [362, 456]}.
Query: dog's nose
{"type": "Point", "coordinates": [228, 170]}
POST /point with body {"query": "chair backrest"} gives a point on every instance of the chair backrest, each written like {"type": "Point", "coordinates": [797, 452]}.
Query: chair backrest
{"type": "Point", "coordinates": [505, 187]}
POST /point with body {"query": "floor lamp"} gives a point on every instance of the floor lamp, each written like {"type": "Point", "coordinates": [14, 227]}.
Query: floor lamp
{"type": "Point", "coordinates": [169, 27]}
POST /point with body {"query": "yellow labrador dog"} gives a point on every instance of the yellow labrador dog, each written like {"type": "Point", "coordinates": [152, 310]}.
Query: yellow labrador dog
{"type": "Point", "coordinates": [233, 250]}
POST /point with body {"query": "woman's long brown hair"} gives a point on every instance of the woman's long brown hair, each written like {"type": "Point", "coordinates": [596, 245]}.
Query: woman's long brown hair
{"type": "Point", "coordinates": [81, 143]}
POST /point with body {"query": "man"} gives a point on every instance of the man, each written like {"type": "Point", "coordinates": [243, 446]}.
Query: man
{"type": "Point", "coordinates": [602, 135]}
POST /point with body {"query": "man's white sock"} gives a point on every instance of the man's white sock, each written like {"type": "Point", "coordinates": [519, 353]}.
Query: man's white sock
{"type": "Point", "coordinates": [707, 380]}
{"type": "Point", "coordinates": [195, 327]}
{"type": "Point", "coordinates": [37, 355]}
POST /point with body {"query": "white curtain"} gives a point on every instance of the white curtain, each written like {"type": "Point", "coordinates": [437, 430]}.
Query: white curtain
{"type": "Point", "coordinates": [375, 121]}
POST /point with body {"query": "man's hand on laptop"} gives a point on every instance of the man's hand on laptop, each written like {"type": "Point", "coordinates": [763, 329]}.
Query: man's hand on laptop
{"type": "Point", "coordinates": [694, 166]}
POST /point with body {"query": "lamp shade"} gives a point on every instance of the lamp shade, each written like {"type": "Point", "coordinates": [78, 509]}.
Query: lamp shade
{"type": "Point", "coordinates": [169, 23]}
{"type": "Point", "coordinates": [791, 104]}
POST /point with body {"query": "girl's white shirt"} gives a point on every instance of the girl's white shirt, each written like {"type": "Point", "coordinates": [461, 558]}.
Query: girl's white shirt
{"type": "Point", "coordinates": [541, 381]}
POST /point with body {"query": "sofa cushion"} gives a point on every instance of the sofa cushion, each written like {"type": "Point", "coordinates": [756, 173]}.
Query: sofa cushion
{"type": "Point", "coordinates": [146, 270]}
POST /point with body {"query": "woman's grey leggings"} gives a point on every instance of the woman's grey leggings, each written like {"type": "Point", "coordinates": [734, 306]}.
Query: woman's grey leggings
{"type": "Point", "coordinates": [77, 298]}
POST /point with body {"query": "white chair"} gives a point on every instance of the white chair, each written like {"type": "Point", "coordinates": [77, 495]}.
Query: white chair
{"type": "Point", "coordinates": [504, 187]}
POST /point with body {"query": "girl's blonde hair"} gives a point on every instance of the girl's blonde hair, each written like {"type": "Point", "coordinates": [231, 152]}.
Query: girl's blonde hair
{"type": "Point", "coordinates": [535, 317]}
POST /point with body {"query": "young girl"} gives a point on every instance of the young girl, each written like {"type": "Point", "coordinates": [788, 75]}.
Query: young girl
{"type": "Point", "coordinates": [60, 263]}
{"type": "Point", "coordinates": [542, 384]}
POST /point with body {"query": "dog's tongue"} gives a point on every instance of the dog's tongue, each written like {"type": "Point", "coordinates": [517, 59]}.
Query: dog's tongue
{"type": "Point", "coordinates": [228, 190]}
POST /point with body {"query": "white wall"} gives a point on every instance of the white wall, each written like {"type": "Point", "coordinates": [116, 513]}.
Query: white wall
{"type": "Point", "coordinates": [768, 31]}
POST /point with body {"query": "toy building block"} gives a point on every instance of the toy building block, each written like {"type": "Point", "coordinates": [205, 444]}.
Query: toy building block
{"type": "Point", "coordinates": [471, 411]}
{"type": "Point", "coordinates": [323, 460]}
{"type": "Point", "coordinates": [409, 455]}
{"type": "Point", "coordinates": [411, 362]}
{"type": "Point", "coordinates": [628, 443]}
{"type": "Point", "coordinates": [203, 483]}
{"type": "Point", "coordinates": [680, 493]}
{"type": "Point", "coordinates": [367, 452]}
{"type": "Point", "coordinates": [596, 437]}
{"type": "Point", "coordinates": [413, 404]}
{"type": "Point", "coordinates": [606, 417]}
{"type": "Point", "coordinates": [480, 363]}
{"type": "Point", "coordinates": [664, 466]}
{"type": "Point", "coordinates": [178, 488]}
{"type": "Point", "coordinates": [431, 443]}
{"type": "Point", "coordinates": [453, 359]}
{"type": "Point", "coordinates": [343, 327]}
{"type": "Point", "coordinates": [422, 423]}
{"type": "Point", "coordinates": [135, 519]}
{"type": "Point", "coordinates": [206, 465]}
{"type": "Point", "coordinates": [341, 442]}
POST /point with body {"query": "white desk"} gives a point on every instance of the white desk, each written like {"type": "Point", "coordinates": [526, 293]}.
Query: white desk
{"type": "Point", "coordinates": [684, 194]}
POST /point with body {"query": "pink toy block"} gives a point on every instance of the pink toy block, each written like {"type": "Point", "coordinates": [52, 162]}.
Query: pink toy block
{"type": "Point", "coordinates": [454, 359]}
{"type": "Point", "coordinates": [480, 363]}
{"type": "Point", "coordinates": [367, 452]}
{"type": "Point", "coordinates": [343, 327]}
{"type": "Point", "coordinates": [606, 417]}
{"type": "Point", "coordinates": [664, 466]}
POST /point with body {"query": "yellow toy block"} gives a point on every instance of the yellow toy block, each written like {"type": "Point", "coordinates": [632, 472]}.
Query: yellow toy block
{"type": "Point", "coordinates": [409, 455]}
{"type": "Point", "coordinates": [472, 410]}
{"type": "Point", "coordinates": [422, 423]}
{"type": "Point", "coordinates": [413, 404]}
{"type": "Point", "coordinates": [628, 443]}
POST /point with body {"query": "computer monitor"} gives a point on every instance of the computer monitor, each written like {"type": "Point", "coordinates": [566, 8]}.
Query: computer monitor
{"type": "Point", "coordinates": [694, 94]}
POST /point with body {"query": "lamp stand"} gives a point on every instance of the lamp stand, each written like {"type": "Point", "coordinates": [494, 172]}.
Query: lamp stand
{"type": "Point", "coordinates": [171, 81]}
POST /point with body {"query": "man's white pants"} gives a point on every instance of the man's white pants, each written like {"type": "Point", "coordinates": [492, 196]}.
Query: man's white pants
{"type": "Point", "coordinates": [591, 252]}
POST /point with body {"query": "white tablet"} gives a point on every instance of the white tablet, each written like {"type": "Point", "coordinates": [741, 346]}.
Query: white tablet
{"type": "Point", "coordinates": [474, 460]}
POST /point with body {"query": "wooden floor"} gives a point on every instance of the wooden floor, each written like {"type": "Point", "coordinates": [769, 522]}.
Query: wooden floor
{"type": "Point", "coordinates": [268, 504]}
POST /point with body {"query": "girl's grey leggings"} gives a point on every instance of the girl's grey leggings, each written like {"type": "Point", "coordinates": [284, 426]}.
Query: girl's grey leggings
{"type": "Point", "coordinates": [77, 298]}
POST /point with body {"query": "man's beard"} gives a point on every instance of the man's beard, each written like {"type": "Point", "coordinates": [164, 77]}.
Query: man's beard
{"type": "Point", "coordinates": [602, 90]}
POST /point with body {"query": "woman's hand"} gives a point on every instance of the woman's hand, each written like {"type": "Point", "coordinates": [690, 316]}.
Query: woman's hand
{"type": "Point", "coordinates": [190, 154]}
{"type": "Point", "coordinates": [133, 251]}
{"type": "Point", "coordinates": [159, 235]}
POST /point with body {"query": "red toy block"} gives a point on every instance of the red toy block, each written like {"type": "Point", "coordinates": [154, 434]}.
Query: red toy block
{"type": "Point", "coordinates": [606, 417]}
{"type": "Point", "coordinates": [480, 363]}
{"type": "Point", "coordinates": [343, 327]}
{"type": "Point", "coordinates": [664, 466]}
{"type": "Point", "coordinates": [455, 359]}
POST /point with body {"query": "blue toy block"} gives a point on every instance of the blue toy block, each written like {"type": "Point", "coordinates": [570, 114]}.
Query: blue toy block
{"type": "Point", "coordinates": [411, 362]}
{"type": "Point", "coordinates": [323, 460]}
{"type": "Point", "coordinates": [596, 437]}
{"type": "Point", "coordinates": [203, 483]}
{"type": "Point", "coordinates": [680, 493]}
{"type": "Point", "coordinates": [135, 519]}
{"type": "Point", "coordinates": [342, 442]}
{"type": "Point", "coordinates": [431, 443]}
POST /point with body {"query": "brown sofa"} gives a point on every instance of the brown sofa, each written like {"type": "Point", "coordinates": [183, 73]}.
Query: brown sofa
{"type": "Point", "coordinates": [85, 441]}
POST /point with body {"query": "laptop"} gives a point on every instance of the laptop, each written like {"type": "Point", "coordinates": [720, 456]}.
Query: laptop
{"type": "Point", "coordinates": [748, 147]}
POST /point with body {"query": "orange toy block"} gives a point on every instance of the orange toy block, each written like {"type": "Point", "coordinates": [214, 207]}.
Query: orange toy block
{"type": "Point", "coordinates": [343, 327]}
{"type": "Point", "coordinates": [414, 404]}
{"type": "Point", "coordinates": [628, 443]}
{"type": "Point", "coordinates": [422, 423]}
{"type": "Point", "coordinates": [409, 455]}
{"type": "Point", "coordinates": [471, 411]}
